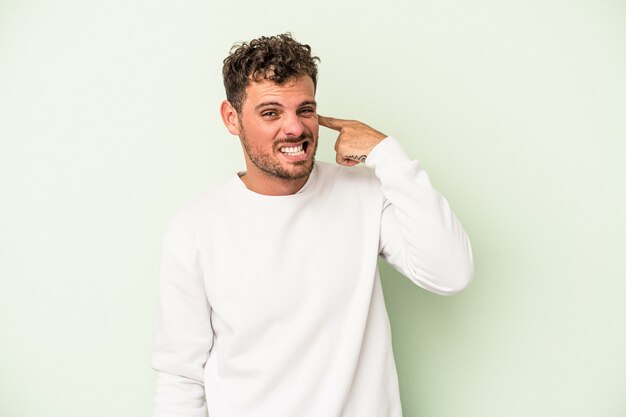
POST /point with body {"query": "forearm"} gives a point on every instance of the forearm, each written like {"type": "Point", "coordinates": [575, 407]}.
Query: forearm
{"type": "Point", "coordinates": [178, 396]}
{"type": "Point", "coordinates": [184, 335]}
{"type": "Point", "coordinates": [420, 235]}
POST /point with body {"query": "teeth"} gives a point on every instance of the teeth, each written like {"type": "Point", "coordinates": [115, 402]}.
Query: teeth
{"type": "Point", "coordinates": [292, 150]}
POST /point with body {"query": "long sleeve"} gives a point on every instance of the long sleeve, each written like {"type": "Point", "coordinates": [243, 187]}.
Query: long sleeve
{"type": "Point", "coordinates": [184, 336]}
{"type": "Point", "coordinates": [420, 235]}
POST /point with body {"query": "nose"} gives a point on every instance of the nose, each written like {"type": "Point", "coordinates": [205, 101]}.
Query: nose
{"type": "Point", "coordinates": [292, 125]}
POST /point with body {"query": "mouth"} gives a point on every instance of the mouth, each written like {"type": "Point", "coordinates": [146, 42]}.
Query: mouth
{"type": "Point", "coordinates": [295, 152]}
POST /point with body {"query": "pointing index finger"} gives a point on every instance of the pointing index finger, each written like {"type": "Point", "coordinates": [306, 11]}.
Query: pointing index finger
{"type": "Point", "coordinates": [331, 122]}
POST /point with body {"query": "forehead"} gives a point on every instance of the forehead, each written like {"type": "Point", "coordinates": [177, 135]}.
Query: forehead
{"type": "Point", "coordinates": [293, 91]}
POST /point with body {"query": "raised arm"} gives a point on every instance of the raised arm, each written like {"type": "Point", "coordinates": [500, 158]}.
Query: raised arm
{"type": "Point", "coordinates": [420, 236]}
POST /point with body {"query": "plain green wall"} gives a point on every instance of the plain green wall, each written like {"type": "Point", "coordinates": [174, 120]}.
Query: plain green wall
{"type": "Point", "coordinates": [109, 122]}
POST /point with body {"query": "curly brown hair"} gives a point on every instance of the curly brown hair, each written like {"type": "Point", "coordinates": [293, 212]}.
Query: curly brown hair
{"type": "Point", "coordinates": [277, 58]}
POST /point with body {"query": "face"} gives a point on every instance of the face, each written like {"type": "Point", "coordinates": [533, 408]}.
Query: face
{"type": "Point", "coordinates": [278, 128]}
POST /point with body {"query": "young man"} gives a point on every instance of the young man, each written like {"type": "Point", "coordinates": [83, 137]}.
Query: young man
{"type": "Point", "coordinates": [271, 301]}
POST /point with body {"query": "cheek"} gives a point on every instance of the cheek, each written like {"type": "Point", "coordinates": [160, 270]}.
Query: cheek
{"type": "Point", "coordinates": [262, 133]}
{"type": "Point", "coordinates": [313, 127]}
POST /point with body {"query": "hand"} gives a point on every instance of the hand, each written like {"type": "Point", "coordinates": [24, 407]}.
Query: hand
{"type": "Point", "coordinates": [355, 140]}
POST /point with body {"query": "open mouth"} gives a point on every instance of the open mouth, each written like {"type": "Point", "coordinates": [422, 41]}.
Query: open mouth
{"type": "Point", "coordinates": [295, 150]}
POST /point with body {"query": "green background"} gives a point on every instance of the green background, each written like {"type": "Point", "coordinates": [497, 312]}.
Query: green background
{"type": "Point", "coordinates": [109, 122]}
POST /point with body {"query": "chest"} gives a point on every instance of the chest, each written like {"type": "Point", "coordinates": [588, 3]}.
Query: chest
{"type": "Point", "coordinates": [289, 262]}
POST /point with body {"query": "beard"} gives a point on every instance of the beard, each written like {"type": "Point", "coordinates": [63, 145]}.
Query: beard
{"type": "Point", "coordinates": [272, 166]}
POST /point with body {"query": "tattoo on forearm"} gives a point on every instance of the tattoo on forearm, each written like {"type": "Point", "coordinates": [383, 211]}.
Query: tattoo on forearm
{"type": "Point", "coordinates": [360, 158]}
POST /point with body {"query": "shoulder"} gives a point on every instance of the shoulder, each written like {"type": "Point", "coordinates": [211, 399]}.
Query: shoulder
{"type": "Point", "coordinates": [193, 215]}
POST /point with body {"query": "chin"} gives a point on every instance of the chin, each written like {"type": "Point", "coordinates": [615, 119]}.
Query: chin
{"type": "Point", "coordinates": [302, 170]}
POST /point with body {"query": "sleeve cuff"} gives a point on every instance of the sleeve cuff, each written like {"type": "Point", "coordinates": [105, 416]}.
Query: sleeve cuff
{"type": "Point", "coordinates": [388, 151]}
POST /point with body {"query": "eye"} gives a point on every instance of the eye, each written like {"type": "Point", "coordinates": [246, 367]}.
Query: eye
{"type": "Point", "coordinates": [269, 114]}
{"type": "Point", "coordinates": [307, 111]}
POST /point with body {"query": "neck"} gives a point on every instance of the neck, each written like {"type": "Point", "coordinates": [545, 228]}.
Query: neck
{"type": "Point", "coordinates": [262, 183]}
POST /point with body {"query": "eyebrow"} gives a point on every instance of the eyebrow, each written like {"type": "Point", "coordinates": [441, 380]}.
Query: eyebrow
{"type": "Point", "coordinates": [277, 104]}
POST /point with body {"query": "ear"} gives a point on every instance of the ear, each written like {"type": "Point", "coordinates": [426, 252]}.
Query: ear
{"type": "Point", "coordinates": [230, 117]}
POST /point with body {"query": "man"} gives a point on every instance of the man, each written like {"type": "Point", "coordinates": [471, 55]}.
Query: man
{"type": "Point", "coordinates": [271, 301]}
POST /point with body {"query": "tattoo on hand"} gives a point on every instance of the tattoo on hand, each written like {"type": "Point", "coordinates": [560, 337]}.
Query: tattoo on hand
{"type": "Point", "coordinates": [360, 158]}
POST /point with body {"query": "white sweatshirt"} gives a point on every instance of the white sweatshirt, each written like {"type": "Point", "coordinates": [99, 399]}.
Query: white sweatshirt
{"type": "Point", "coordinates": [272, 306]}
